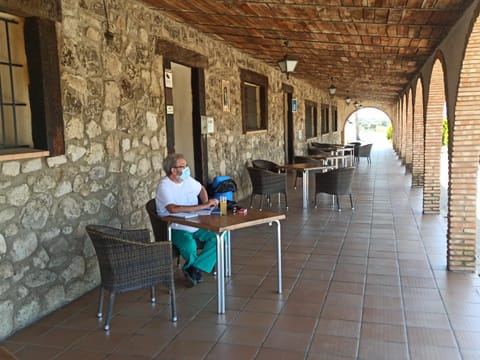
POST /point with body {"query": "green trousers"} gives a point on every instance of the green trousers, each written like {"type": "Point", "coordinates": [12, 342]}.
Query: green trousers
{"type": "Point", "coordinates": [186, 242]}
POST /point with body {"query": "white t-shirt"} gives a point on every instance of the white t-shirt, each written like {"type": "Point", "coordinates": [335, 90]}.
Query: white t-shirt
{"type": "Point", "coordinates": [184, 193]}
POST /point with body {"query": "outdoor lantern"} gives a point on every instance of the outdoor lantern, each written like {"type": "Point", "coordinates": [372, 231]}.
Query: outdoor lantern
{"type": "Point", "coordinates": [287, 65]}
{"type": "Point", "coordinates": [332, 90]}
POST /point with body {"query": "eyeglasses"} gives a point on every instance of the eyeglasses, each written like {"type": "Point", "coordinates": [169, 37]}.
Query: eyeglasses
{"type": "Point", "coordinates": [180, 167]}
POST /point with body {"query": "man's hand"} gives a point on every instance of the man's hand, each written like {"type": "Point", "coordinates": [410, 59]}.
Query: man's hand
{"type": "Point", "coordinates": [211, 203]}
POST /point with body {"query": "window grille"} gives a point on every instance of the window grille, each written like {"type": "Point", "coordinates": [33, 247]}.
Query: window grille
{"type": "Point", "coordinates": [12, 85]}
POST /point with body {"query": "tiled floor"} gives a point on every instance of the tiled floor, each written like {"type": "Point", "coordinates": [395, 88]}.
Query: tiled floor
{"type": "Point", "coordinates": [363, 284]}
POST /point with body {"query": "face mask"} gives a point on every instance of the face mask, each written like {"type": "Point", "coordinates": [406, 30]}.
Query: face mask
{"type": "Point", "coordinates": [185, 174]}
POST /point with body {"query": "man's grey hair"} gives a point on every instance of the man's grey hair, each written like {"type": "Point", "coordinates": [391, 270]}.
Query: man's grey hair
{"type": "Point", "coordinates": [171, 161]}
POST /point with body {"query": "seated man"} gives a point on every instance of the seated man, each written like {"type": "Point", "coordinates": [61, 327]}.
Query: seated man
{"type": "Point", "coordinates": [179, 192]}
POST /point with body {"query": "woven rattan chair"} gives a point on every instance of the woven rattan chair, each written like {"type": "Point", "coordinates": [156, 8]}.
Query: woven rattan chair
{"type": "Point", "coordinates": [129, 261]}
{"type": "Point", "coordinates": [160, 229]}
{"type": "Point", "coordinates": [335, 182]}
{"type": "Point", "coordinates": [265, 164]}
{"type": "Point", "coordinates": [266, 183]}
{"type": "Point", "coordinates": [364, 151]}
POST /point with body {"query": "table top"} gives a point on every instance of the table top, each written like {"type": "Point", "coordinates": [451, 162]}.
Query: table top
{"type": "Point", "coordinates": [326, 157]}
{"type": "Point", "coordinates": [305, 166]}
{"type": "Point", "coordinates": [219, 223]}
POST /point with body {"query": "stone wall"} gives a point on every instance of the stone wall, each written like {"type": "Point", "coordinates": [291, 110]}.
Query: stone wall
{"type": "Point", "coordinates": [115, 136]}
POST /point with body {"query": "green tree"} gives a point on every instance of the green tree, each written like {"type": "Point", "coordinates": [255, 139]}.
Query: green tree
{"type": "Point", "coordinates": [445, 132]}
{"type": "Point", "coordinates": [389, 132]}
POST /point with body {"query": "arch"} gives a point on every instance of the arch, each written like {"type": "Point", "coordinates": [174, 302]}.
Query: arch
{"type": "Point", "coordinates": [408, 130]}
{"type": "Point", "coordinates": [366, 117]}
{"type": "Point", "coordinates": [418, 150]}
{"type": "Point", "coordinates": [403, 129]}
{"type": "Point", "coordinates": [396, 127]}
{"type": "Point", "coordinates": [463, 167]}
{"type": "Point", "coordinates": [433, 137]}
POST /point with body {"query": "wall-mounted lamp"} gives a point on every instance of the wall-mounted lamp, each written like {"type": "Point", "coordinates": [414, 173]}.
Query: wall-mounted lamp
{"type": "Point", "coordinates": [348, 99]}
{"type": "Point", "coordinates": [287, 65]}
{"type": "Point", "coordinates": [357, 104]}
{"type": "Point", "coordinates": [332, 90]}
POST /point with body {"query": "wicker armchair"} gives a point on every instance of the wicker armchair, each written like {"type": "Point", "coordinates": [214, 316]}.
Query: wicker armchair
{"type": "Point", "coordinates": [335, 182]}
{"type": "Point", "coordinates": [129, 261]}
{"type": "Point", "coordinates": [266, 165]}
{"type": "Point", "coordinates": [160, 229]}
{"type": "Point", "coordinates": [266, 183]}
{"type": "Point", "coordinates": [364, 151]}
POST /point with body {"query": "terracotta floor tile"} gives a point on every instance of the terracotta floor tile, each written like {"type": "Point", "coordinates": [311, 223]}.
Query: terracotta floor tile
{"type": "Point", "coordinates": [61, 337]}
{"type": "Point", "coordinates": [382, 350]}
{"type": "Point", "coordinates": [295, 323]}
{"type": "Point", "coordinates": [420, 336]}
{"type": "Point", "coordinates": [277, 354]}
{"type": "Point", "coordinates": [141, 344]}
{"type": "Point", "coordinates": [196, 331]}
{"type": "Point", "coordinates": [293, 341]}
{"type": "Point", "coordinates": [231, 352]}
{"type": "Point", "coordinates": [254, 319]}
{"type": "Point", "coordinates": [81, 355]}
{"type": "Point", "coordinates": [383, 316]}
{"type": "Point", "coordinates": [468, 340]}
{"type": "Point", "coordinates": [383, 333]}
{"type": "Point", "coordinates": [342, 313]}
{"type": "Point", "coordinates": [425, 319]}
{"type": "Point", "coordinates": [434, 353]}
{"type": "Point", "coordinates": [191, 350]}
{"type": "Point", "coordinates": [338, 328]}
{"type": "Point", "coordinates": [37, 352]}
{"type": "Point", "coordinates": [382, 302]}
{"type": "Point", "coordinates": [100, 341]}
{"type": "Point", "coordinates": [334, 345]}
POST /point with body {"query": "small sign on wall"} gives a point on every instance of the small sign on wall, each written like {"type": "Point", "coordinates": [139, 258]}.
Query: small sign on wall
{"type": "Point", "coordinates": [294, 105]}
{"type": "Point", "coordinates": [168, 78]}
{"type": "Point", "coordinates": [226, 95]}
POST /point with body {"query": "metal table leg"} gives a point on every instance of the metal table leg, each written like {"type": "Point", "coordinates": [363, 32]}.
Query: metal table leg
{"type": "Point", "coordinates": [220, 273]}
{"type": "Point", "coordinates": [305, 189]}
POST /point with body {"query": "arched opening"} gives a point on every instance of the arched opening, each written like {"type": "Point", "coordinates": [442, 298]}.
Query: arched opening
{"type": "Point", "coordinates": [418, 131]}
{"type": "Point", "coordinates": [433, 140]}
{"type": "Point", "coordinates": [408, 131]}
{"type": "Point", "coordinates": [368, 125]}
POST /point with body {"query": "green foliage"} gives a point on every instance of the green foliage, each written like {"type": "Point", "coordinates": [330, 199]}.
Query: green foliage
{"type": "Point", "coordinates": [389, 132]}
{"type": "Point", "coordinates": [445, 132]}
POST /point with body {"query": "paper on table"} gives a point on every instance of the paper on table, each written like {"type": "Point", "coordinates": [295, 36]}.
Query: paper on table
{"type": "Point", "coordinates": [187, 215]}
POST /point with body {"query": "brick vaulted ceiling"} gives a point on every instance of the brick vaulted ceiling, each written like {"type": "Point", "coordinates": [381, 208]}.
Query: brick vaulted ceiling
{"type": "Point", "coordinates": [371, 48]}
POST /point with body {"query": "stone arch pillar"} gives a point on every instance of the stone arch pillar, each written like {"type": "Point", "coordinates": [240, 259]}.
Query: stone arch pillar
{"type": "Point", "coordinates": [433, 140]}
{"type": "Point", "coordinates": [404, 128]}
{"type": "Point", "coordinates": [465, 150]}
{"type": "Point", "coordinates": [418, 150]}
{"type": "Point", "coordinates": [408, 131]}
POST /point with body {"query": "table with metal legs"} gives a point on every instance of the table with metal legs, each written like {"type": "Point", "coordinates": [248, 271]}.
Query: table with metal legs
{"type": "Point", "coordinates": [306, 168]}
{"type": "Point", "coordinates": [222, 227]}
